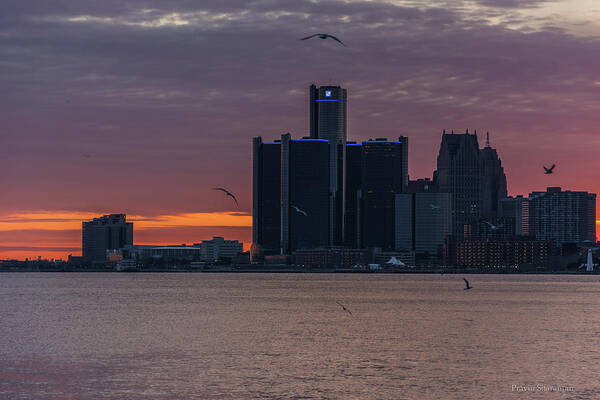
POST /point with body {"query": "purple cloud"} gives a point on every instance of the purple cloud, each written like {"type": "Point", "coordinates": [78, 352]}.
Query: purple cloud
{"type": "Point", "coordinates": [167, 96]}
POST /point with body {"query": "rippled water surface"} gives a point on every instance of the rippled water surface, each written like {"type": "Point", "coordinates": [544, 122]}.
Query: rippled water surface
{"type": "Point", "coordinates": [282, 336]}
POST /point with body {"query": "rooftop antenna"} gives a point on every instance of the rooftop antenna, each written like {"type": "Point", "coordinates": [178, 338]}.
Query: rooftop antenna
{"type": "Point", "coordinates": [487, 141]}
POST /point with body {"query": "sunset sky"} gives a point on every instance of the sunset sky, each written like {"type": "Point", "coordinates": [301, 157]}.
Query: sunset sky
{"type": "Point", "coordinates": [142, 106]}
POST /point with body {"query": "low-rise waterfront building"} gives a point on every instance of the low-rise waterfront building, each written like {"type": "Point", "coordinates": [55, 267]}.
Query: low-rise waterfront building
{"type": "Point", "coordinates": [515, 252]}
{"type": "Point", "coordinates": [177, 252]}
{"type": "Point", "coordinates": [331, 257]}
{"type": "Point", "coordinates": [218, 248]}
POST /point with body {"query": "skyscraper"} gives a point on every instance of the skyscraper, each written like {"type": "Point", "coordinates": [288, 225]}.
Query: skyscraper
{"type": "Point", "coordinates": [475, 178]}
{"type": "Point", "coordinates": [353, 196]}
{"type": "Point", "coordinates": [492, 181]}
{"type": "Point", "coordinates": [109, 232]}
{"type": "Point", "coordinates": [383, 175]}
{"type": "Point", "coordinates": [517, 209]}
{"type": "Point", "coordinates": [328, 109]}
{"type": "Point", "coordinates": [305, 207]}
{"type": "Point", "coordinates": [266, 208]}
{"type": "Point", "coordinates": [458, 173]}
{"type": "Point", "coordinates": [565, 216]}
{"type": "Point", "coordinates": [423, 221]}
{"type": "Point", "coordinates": [328, 113]}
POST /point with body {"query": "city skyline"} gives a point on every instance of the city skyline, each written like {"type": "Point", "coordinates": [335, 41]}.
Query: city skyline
{"type": "Point", "coordinates": [89, 131]}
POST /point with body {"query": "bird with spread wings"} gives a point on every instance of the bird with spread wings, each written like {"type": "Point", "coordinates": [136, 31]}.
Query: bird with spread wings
{"type": "Point", "coordinates": [228, 193]}
{"type": "Point", "coordinates": [298, 210]}
{"type": "Point", "coordinates": [324, 36]}
{"type": "Point", "coordinates": [550, 170]}
{"type": "Point", "coordinates": [344, 307]}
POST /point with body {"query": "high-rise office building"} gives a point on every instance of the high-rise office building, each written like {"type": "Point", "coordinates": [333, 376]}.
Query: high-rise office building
{"type": "Point", "coordinates": [423, 221]}
{"type": "Point", "coordinates": [384, 175]}
{"type": "Point", "coordinates": [266, 208]}
{"type": "Point", "coordinates": [458, 173]}
{"type": "Point", "coordinates": [564, 216]}
{"type": "Point", "coordinates": [517, 209]}
{"type": "Point", "coordinates": [353, 198]}
{"type": "Point", "coordinates": [328, 113]}
{"type": "Point", "coordinates": [328, 121]}
{"type": "Point", "coordinates": [109, 232]}
{"type": "Point", "coordinates": [492, 181]}
{"type": "Point", "coordinates": [305, 195]}
{"type": "Point", "coordinates": [475, 178]}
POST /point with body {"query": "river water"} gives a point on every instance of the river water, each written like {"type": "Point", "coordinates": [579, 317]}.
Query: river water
{"type": "Point", "coordinates": [80, 336]}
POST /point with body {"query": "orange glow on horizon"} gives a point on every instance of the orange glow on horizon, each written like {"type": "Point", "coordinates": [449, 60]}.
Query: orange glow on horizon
{"type": "Point", "coordinates": [14, 244]}
{"type": "Point", "coordinates": [67, 221]}
{"type": "Point", "coordinates": [22, 234]}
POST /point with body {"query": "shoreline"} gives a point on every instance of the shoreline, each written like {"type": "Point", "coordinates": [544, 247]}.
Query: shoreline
{"type": "Point", "coordinates": [292, 270]}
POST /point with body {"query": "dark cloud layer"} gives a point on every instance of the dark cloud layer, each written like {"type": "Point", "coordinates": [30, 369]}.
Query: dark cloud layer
{"type": "Point", "coordinates": [143, 105]}
{"type": "Point", "coordinates": [513, 3]}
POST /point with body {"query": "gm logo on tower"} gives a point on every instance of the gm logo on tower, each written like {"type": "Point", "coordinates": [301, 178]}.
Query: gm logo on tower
{"type": "Point", "coordinates": [328, 93]}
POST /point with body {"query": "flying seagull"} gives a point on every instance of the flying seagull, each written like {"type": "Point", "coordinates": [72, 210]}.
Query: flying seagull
{"type": "Point", "coordinates": [492, 226]}
{"type": "Point", "coordinates": [228, 193]}
{"type": "Point", "coordinates": [434, 207]}
{"type": "Point", "coordinates": [550, 170]}
{"type": "Point", "coordinates": [344, 307]}
{"type": "Point", "coordinates": [324, 36]}
{"type": "Point", "coordinates": [467, 283]}
{"type": "Point", "coordinates": [299, 210]}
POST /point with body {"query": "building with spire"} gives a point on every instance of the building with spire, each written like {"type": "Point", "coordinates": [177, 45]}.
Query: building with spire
{"type": "Point", "coordinates": [475, 178]}
{"type": "Point", "coordinates": [492, 184]}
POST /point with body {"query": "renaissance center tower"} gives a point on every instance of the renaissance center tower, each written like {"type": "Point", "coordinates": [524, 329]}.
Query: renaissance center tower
{"type": "Point", "coordinates": [328, 111]}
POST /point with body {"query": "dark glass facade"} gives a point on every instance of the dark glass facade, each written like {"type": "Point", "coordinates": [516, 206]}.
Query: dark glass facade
{"type": "Point", "coordinates": [304, 184]}
{"type": "Point", "coordinates": [353, 200]}
{"type": "Point", "coordinates": [328, 121]}
{"type": "Point", "coordinates": [492, 182]}
{"type": "Point", "coordinates": [383, 175]}
{"type": "Point", "coordinates": [458, 173]}
{"type": "Point", "coordinates": [328, 106]}
{"type": "Point", "coordinates": [517, 210]}
{"type": "Point", "coordinates": [266, 210]}
{"type": "Point", "coordinates": [423, 220]}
